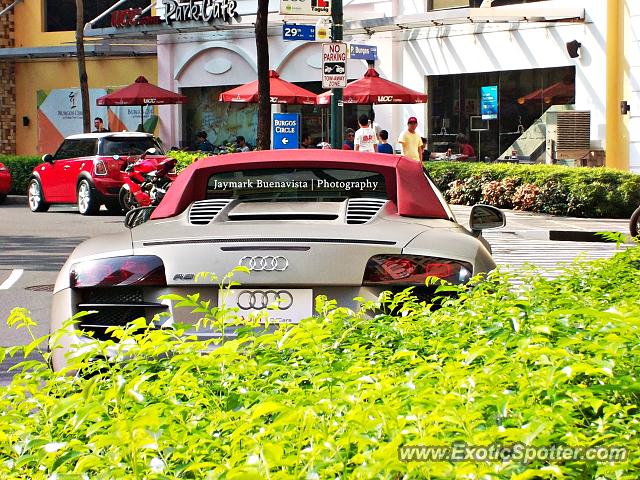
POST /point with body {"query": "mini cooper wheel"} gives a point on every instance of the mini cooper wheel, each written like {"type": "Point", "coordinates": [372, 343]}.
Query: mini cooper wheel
{"type": "Point", "coordinates": [86, 197]}
{"type": "Point", "coordinates": [36, 197]}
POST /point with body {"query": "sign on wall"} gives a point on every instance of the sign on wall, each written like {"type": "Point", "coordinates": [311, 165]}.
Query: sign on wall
{"type": "Point", "coordinates": [489, 102]}
{"type": "Point", "coordinates": [60, 115]}
{"type": "Point", "coordinates": [334, 65]}
{"type": "Point", "coordinates": [305, 7]}
{"type": "Point", "coordinates": [286, 128]}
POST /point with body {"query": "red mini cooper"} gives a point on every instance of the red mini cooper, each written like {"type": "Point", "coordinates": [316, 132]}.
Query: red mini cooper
{"type": "Point", "coordinates": [86, 170]}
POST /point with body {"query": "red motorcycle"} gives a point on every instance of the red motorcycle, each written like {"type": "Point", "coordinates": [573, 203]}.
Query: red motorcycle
{"type": "Point", "coordinates": [146, 181]}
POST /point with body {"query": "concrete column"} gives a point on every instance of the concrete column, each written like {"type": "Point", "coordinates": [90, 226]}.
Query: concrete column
{"type": "Point", "coordinates": [8, 85]}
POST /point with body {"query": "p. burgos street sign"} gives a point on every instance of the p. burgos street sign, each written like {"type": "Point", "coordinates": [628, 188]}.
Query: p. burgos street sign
{"type": "Point", "coordinates": [334, 65]}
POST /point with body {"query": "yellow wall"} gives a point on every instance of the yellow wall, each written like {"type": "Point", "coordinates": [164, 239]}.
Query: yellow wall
{"type": "Point", "coordinates": [29, 26]}
{"type": "Point", "coordinates": [34, 75]}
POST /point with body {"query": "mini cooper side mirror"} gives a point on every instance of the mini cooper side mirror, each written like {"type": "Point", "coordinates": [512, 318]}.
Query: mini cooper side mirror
{"type": "Point", "coordinates": [47, 157]}
{"type": "Point", "coordinates": [138, 216]}
{"type": "Point", "coordinates": [485, 216]}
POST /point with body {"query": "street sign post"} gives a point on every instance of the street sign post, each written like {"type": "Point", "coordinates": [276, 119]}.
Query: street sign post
{"type": "Point", "coordinates": [286, 129]}
{"type": "Point", "coordinates": [334, 65]}
{"type": "Point", "coordinates": [291, 31]}
{"type": "Point", "coordinates": [363, 52]}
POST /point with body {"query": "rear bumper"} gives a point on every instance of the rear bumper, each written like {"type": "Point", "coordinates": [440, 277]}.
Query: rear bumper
{"type": "Point", "coordinates": [68, 302]}
{"type": "Point", "coordinates": [107, 188]}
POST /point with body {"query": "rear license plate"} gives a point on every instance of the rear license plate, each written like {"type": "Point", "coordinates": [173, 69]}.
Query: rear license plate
{"type": "Point", "coordinates": [294, 304]}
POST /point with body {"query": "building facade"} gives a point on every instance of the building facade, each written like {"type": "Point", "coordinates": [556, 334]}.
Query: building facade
{"type": "Point", "coordinates": [39, 92]}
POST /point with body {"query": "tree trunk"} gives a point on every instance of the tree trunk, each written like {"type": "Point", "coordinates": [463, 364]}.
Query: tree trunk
{"type": "Point", "coordinates": [263, 141]}
{"type": "Point", "coordinates": [82, 69]}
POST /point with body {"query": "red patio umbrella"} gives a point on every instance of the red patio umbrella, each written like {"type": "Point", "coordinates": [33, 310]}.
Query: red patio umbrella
{"type": "Point", "coordinates": [280, 91]}
{"type": "Point", "coordinates": [142, 93]}
{"type": "Point", "coordinates": [373, 89]}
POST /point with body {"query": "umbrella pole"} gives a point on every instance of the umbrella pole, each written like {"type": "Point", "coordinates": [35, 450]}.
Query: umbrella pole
{"type": "Point", "coordinates": [142, 118]}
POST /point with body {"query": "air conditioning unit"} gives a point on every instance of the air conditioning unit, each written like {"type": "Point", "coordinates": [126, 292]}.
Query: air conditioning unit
{"type": "Point", "coordinates": [568, 136]}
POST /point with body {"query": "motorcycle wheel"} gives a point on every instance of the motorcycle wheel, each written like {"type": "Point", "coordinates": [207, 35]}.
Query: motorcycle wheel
{"type": "Point", "coordinates": [127, 200]}
{"type": "Point", "coordinates": [634, 223]}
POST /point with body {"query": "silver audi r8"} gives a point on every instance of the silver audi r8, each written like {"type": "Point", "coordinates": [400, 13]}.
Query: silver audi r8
{"type": "Point", "coordinates": [303, 222]}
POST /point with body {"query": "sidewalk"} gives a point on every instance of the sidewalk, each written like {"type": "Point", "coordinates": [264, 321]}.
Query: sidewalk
{"type": "Point", "coordinates": [540, 226]}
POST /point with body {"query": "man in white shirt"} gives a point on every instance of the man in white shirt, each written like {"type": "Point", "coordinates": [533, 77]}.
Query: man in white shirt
{"type": "Point", "coordinates": [365, 140]}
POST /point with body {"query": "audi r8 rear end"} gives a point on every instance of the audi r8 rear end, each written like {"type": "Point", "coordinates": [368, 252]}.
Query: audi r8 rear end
{"type": "Point", "coordinates": [303, 223]}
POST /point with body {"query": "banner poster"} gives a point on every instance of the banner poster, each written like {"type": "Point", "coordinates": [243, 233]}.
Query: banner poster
{"type": "Point", "coordinates": [60, 115]}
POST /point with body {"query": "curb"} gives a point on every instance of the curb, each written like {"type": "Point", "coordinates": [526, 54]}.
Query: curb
{"type": "Point", "coordinates": [16, 200]}
{"type": "Point", "coordinates": [565, 236]}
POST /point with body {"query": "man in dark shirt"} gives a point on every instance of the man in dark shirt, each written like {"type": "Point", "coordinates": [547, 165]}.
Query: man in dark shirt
{"type": "Point", "coordinates": [99, 125]}
{"type": "Point", "coordinates": [202, 144]}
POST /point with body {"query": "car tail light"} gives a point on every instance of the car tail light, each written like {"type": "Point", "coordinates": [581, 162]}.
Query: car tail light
{"type": "Point", "coordinates": [143, 270]}
{"type": "Point", "coordinates": [413, 270]}
{"type": "Point", "coordinates": [100, 168]}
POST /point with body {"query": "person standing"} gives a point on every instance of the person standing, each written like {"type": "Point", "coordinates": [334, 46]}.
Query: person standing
{"type": "Point", "coordinates": [411, 142]}
{"type": "Point", "coordinates": [365, 137]}
{"type": "Point", "coordinates": [383, 146]}
{"type": "Point", "coordinates": [99, 125]}
{"type": "Point", "coordinates": [348, 141]}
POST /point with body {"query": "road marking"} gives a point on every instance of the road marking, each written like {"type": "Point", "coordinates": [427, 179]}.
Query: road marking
{"type": "Point", "coordinates": [13, 278]}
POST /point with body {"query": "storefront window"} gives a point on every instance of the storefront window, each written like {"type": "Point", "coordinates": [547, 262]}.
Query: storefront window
{"type": "Point", "coordinates": [523, 97]}
{"type": "Point", "coordinates": [61, 14]}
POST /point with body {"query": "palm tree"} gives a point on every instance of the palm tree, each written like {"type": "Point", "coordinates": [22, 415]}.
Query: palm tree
{"type": "Point", "coordinates": [82, 69]}
{"type": "Point", "coordinates": [263, 141]}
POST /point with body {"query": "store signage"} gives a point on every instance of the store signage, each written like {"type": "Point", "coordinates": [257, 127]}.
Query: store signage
{"type": "Point", "coordinates": [292, 31]}
{"type": "Point", "coordinates": [286, 128]}
{"type": "Point", "coordinates": [363, 52]}
{"type": "Point", "coordinates": [131, 17]}
{"type": "Point", "coordinates": [198, 11]}
{"type": "Point", "coordinates": [334, 65]}
{"type": "Point", "coordinates": [489, 102]}
{"type": "Point", "coordinates": [305, 7]}
{"type": "Point", "coordinates": [202, 11]}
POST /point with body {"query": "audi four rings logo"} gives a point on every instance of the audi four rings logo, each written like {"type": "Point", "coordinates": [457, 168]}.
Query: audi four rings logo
{"type": "Point", "coordinates": [261, 299]}
{"type": "Point", "coordinates": [265, 264]}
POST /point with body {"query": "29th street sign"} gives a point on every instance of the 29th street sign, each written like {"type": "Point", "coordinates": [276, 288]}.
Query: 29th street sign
{"type": "Point", "coordinates": [334, 65]}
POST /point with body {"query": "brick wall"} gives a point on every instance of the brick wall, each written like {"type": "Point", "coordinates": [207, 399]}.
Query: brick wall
{"type": "Point", "coordinates": [7, 85]}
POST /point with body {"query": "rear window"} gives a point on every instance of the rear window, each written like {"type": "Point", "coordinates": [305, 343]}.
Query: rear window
{"type": "Point", "coordinates": [297, 184]}
{"type": "Point", "coordinates": [128, 146]}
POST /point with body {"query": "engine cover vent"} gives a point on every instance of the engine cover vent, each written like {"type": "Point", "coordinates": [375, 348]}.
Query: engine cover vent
{"type": "Point", "coordinates": [361, 210]}
{"type": "Point", "coordinates": [203, 212]}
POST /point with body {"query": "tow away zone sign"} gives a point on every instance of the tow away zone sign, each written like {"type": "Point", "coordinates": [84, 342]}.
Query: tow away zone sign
{"type": "Point", "coordinates": [334, 65]}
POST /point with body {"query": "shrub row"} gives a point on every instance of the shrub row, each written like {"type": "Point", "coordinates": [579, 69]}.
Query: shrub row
{"type": "Point", "coordinates": [548, 365]}
{"type": "Point", "coordinates": [557, 190]}
{"type": "Point", "coordinates": [20, 167]}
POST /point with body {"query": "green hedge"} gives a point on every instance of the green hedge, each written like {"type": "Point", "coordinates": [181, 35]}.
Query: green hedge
{"type": "Point", "coordinates": [549, 364]}
{"type": "Point", "coordinates": [20, 167]}
{"type": "Point", "coordinates": [580, 192]}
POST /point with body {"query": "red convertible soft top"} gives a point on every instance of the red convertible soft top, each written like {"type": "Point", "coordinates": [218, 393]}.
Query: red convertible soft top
{"type": "Point", "coordinates": [407, 186]}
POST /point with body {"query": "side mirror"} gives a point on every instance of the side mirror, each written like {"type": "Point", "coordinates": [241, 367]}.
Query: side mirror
{"type": "Point", "coordinates": [47, 157]}
{"type": "Point", "coordinates": [485, 216]}
{"type": "Point", "coordinates": [138, 216]}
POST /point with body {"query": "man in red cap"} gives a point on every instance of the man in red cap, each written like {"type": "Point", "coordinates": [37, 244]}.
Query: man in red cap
{"type": "Point", "coordinates": [411, 141]}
